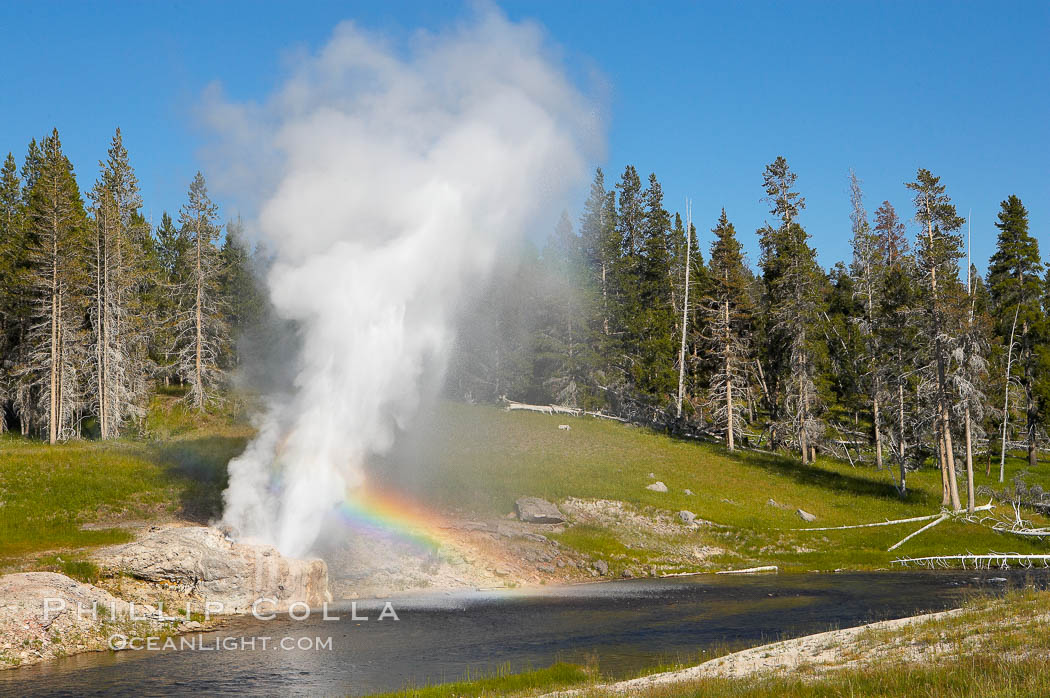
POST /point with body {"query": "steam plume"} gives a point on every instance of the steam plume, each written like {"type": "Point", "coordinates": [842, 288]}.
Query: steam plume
{"type": "Point", "coordinates": [396, 180]}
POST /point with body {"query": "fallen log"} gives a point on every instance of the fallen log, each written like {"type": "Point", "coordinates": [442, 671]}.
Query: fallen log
{"type": "Point", "coordinates": [913, 519]}
{"type": "Point", "coordinates": [772, 569]}
{"type": "Point", "coordinates": [942, 519]}
{"type": "Point", "coordinates": [983, 561]}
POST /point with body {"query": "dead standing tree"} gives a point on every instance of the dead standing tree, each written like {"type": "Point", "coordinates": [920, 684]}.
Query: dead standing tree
{"type": "Point", "coordinates": [939, 251]}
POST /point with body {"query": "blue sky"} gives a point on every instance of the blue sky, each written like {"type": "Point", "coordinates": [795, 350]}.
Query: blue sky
{"type": "Point", "coordinates": [703, 94]}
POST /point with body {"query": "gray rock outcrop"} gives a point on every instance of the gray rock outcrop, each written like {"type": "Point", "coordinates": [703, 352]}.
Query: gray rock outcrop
{"type": "Point", "coordinates": [45, 615]}
{"type": "Point", "coordinates": [536, 510]}
{"type": "Point", "coordinates": [805, 515]}
{"type": "Point", "coordinates": [657, 487]}
{"type": "Point", "coordinates": [204, 562]}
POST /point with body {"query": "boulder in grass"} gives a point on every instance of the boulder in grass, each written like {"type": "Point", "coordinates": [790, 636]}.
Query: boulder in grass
{"type": "Point", "coordinates": [657, 487]}
{"type": "Point", "coordinates": [536, 510]}
{"type": "Point", "coordinates": [686, 516]}
{"type": "Point", "coordinates": [805, 516]}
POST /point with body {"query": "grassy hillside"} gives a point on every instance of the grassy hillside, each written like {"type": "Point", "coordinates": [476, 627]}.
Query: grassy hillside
{"type": "Point", "coordinates": [84, 493]}
{"type": "Point", "coordinates": [482, 458]}
{"type": "Point", "coordinates": [479, 460]}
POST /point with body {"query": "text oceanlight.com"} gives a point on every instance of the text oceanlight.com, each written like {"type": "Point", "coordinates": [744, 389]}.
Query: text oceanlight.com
{"type": "Point", "coordinates": [199, 643]}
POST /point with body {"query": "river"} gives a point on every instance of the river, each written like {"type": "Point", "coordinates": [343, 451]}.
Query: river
{"type": "Point", "coordinates": [624, 626]}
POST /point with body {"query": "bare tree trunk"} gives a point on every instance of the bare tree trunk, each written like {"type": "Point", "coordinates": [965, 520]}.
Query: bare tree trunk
{"type": "Point", "coordinates": [52, 418]}
{"type": "Point", "coordinates": [878, 427]}
{"type": "Point", "coordinates": [953, 483]}
{"type": "Point", "coordinates": [1006, 393]}
{"type": "Point", "coordinates": [901, 446]}
{"type": "Point", "coordinates": [685, 310]}
{"type": "Point", "coordinates": [945, 499]}
{"type": "Point", "coordinates": [199, 387]}
{"type": "Point", "coordinates": [802, 440]}
{"type": "Point", "coordinates": [969, 464]}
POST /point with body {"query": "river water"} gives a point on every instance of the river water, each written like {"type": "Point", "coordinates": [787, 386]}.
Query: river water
{"type": "Point", "coordinates": [624, 626]}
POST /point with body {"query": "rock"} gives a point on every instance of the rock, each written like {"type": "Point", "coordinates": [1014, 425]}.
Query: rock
{"type": "Point", "coordinates": [652, 476]}
{"type": "Point", "coordinates": [564, 427]}
{"type": "Point", "coordinates": [502, 572]}
{"type": "Point", "coordinates": [561, 564]}
{"type": "Point", "coordinates": [536, 510]}
{"type": "Point", "coordinates": [546, 569]}
{"type": "Point", "coordinates": [601, 567]}
{"type": "Point", "coordinates": [686, 516]}
{"type": "Point", "coordinates": [627, 573]}
{"type": "Point", "coordinates": [55, 615]}
{"type": "Point", "coordinates": [202, 561]}
{"type": "Point", "coordinates": [688, 493]}
{"type": "Point", "coordinates": [805, 515]}
{"type": "Point", "coordinates": [657, 487]}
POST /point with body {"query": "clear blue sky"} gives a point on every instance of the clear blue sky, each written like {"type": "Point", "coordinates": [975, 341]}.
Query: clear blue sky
{"type": "Point", "coordinates": [703, 94]}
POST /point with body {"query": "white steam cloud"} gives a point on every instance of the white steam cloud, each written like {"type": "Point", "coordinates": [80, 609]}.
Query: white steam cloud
{"type": "Point", "coordinates": [397, 178]}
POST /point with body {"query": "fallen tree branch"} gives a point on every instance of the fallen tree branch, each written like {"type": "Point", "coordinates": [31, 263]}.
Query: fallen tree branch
{"type": "Point", "coordinates": [984, 561]}
{"type": "Point", "coordinates": [752, 570]}
{"type": "Point", "coordinates": [913, 519]}
{"type": "Point", "coordinates": [942, 519]}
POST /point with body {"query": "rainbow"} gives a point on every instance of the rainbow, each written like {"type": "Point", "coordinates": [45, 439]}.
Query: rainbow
{"type": "Point", "coordinates": [371, 510]}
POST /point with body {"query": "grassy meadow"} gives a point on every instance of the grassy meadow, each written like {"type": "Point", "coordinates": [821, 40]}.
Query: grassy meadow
{"type": "Point", "coordinates": [63, 498]}
{"type": "Point", "coordinates": [478, 460]}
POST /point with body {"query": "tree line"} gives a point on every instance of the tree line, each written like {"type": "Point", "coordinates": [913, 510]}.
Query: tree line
{"type": "Point", "coordinates": [901, 356]}
{"type": "Point", "coordinates": [98, 306]}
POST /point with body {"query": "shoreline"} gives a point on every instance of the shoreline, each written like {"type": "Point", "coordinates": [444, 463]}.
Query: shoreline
{"type": "Point", "coordinates": [168, 626]}
{"type": "Point", "coordinates": [818, 651]}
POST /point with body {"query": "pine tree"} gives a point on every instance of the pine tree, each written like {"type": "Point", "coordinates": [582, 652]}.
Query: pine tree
{"type": "Point", "coordinates": [200, 330]}
{"type": "Point", "coordinates": [31, 168]}
{"type": "Point", "coordinates": [939, 249]}
{"type": "Point", "coordinates": [561, 338]}
{"type": "Point", "coordinates": [652, 352]}
{"type": "Point", "coordinates": [794, 298]}
{"type": "Point", "coordinates": [52, 368]}
{"type": "Point", "coordinates": [727, 307]}
{"type": "Point", "coordinates": [1014, 280]}
{"type": "Point", "coordinates": [601, 251]}
{"type": "Point", "coordinates": [867, 271]}
{"type": "Point", "coordinates": [121, 317]}
{"type": "Point", "coordinates": [172, 261]}
{"type": "Point", "coordinates": [896, 333]}
{"type": "Point", "coordinates": [243, 297]}
{"type": "Point", "coordinates": [12, 252]}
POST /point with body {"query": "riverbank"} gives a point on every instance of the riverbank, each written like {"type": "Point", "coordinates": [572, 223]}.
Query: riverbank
{"type": "Point", "coordinates": [986, 647]}
{"type": "Point", "coordinates": [989, 647]}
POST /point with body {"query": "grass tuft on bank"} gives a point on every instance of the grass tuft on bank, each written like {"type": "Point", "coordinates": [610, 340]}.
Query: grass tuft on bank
{"type": "Point", "coordinates": [503, 682]}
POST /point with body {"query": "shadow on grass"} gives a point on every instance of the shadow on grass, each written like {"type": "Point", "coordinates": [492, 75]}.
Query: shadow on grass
{"type": "Point", "coordinates": [817, 476]}
{"type": "Point", "coordinates": [199, 465]}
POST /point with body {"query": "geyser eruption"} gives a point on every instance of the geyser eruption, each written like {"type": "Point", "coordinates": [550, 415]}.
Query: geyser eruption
{"type": "Point", "coordinates": [397, 179]}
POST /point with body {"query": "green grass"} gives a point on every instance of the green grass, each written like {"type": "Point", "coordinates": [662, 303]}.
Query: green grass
{"type": "Point", "coordinates": [502, 683]}
{"type": "Point", "coordinates": [48, 493]}
{"type": "Point", "coordinates": [480, 459]}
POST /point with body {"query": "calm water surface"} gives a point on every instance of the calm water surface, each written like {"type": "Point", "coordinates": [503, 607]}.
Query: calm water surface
{"type": "Point", "coordinates": [625, 626]}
